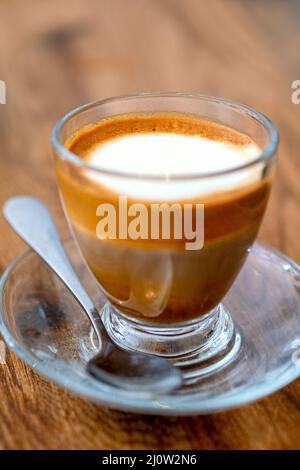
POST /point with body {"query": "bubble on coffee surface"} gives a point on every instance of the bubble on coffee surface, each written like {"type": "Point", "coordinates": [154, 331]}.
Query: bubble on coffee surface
{"type": "Point", "coordinates": [168, 155]}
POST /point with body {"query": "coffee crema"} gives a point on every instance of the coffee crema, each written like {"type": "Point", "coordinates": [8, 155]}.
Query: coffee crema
{"type": "Point", "coordinates": [176, 158]}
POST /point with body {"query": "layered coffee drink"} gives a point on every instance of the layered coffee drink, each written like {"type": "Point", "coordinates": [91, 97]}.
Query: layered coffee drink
{"type": "Point", "coordinates": [196, 177]}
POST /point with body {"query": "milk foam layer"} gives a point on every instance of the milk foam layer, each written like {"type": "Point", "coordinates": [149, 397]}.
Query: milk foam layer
{"type": "Point", "coordinates": [170, 154]}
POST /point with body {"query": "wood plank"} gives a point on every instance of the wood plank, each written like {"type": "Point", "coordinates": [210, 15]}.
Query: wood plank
{"type": "Point", "coordinates": [56, 55]}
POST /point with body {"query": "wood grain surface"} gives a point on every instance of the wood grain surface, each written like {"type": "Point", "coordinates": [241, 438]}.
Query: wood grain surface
{"type": "Point", "coordinates": [55, 55]}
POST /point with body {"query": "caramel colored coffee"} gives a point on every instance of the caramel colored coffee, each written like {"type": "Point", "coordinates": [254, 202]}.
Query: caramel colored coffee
{"type": "Point", "coordinates": [174, 159]}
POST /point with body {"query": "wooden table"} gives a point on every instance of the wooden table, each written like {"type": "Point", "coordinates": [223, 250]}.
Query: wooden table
{"type": "Point", "coordinates": [58, 54]}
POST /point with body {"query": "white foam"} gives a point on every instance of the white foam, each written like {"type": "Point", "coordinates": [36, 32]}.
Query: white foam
{"type": "Point", "coordinates": [170, 154]}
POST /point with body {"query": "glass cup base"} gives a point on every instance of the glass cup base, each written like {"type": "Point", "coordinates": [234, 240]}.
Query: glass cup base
{"type": "Point", "coordinates": [199, 348]}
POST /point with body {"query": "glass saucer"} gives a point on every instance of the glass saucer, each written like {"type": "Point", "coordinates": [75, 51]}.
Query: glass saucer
{"type": "Point", "coordinates": [46, 328]}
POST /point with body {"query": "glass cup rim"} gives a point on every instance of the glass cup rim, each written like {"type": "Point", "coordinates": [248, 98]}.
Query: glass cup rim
{"type": "Point", "coordinates": [265, 154]}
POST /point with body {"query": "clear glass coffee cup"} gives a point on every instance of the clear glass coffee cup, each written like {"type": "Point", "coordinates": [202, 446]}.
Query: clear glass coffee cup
{"type": "Point", "coordinates": [164, 290]}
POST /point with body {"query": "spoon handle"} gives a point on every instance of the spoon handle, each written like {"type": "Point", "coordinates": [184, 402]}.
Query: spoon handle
{"type": "Point", "coordinates": [32, 221]}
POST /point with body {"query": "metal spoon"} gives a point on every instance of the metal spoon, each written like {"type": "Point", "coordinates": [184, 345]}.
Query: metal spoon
{"type": "Point", "coordinates": [140, 372]}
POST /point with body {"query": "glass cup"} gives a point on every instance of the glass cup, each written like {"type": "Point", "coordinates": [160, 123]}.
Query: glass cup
{"type": "Point", "coordinates": [163, 298]}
